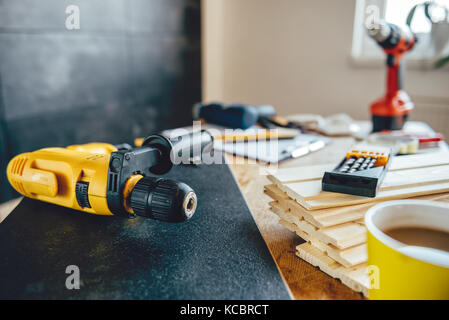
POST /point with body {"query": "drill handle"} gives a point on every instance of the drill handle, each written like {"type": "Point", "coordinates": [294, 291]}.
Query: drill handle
{"type": "Point", "coordinates": [179, 149]}
{"type": "Point", "coordinates": [395, 77]}
{"type": "Point", "coordinates": [191, 147]}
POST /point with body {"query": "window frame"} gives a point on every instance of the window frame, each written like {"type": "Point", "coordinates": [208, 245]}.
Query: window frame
{"type": "Point", "coordinates": [365, 52]}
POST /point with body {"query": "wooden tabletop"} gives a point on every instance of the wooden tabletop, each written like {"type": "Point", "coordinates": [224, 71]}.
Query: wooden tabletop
{"type": "Point", "coordinates": [302, 279]}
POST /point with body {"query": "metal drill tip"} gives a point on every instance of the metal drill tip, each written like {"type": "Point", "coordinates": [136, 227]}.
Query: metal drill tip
{"type": "Point", "coordinates": [189, 204]}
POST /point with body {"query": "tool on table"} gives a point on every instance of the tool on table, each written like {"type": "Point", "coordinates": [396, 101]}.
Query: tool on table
{"type": "Point", "coordinates": [243, 119]}
{"type": "Point", "coordinates": [360, 173]}
{"type": "Point", "coordinates": [102, 179]}
{"type": "Point", "coordinates": [227, 134]}
{"type": "Point", "coordinates": [403, 142]}
{"type": "Point", "coordinates": [391, 111]}
{"type": "Point", "coordinates": [241, 116]}
{"type": "Point", "coordinates": [274, 151]}
{"type": "Point", "coordinates": [334, 125]}
{"type": "Point", "coordinates": [232, 115]}
{"type": "Point", "coordinates": [399, 144]}
{"type": "Point", "coordinates": [277, 122]}
{"type": "Point", "coordinates": [308, 121]}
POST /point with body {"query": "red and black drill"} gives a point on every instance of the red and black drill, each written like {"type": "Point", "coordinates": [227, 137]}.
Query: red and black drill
{"type": "Point", "coordinates": [391, 111]}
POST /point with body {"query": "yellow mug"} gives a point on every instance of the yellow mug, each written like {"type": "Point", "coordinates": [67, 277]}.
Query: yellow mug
{"type": "Point", "coordinates": [399, 271]}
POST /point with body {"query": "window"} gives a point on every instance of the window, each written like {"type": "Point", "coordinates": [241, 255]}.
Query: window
{"type": "Point", "coordinates": [396, 11]}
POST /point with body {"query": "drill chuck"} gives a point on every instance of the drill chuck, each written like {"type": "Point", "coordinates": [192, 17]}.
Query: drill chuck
{"type": "Point", "coordinates": [380, 31]}
{"type": "Point", "coordinates": [163, 199]}
{"type": "Point", "coordinates": [388, 35]}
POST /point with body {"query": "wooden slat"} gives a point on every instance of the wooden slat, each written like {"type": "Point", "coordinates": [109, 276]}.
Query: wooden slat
{"type": "Point", "coordinates": [348, 200]}
{"type": "Point", "coordinates": [331, 216]}
{"type": "Point", "coordinates": [306, 173]}
{"type": "Point", "coordinates": [316, 172]}
{"type": "Point", "coordinates": [341, 236]}
{"type": "Point", "coordinates": [419, 160]}
{"type": "Point", "coordinates": [311, 190]}
{"type": "Point", "coordinates": [319, 218]}
{"type": "Point", "coordinates": [348, 257]}
{"type": "Point", "coordinates": [273, 191]}
{"type": "Point", "coordinates": [356, 278]}
{"type": "Point", "coordinates": [303, 235]}
{"type": "Point", "coordinates": [299, 221]}
{"type": "Point", "coordinates": [322, 223]}
{"type": "Point", "coordinates": [344, 235]}
{"type": "Point", "coordinates": [415, 177]}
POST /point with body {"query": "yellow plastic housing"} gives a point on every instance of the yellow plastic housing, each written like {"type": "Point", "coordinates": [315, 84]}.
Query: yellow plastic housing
{"type": "Point", "coordinates": [94, 147]}
{"type": "Point", "coordinates": [51, 175]}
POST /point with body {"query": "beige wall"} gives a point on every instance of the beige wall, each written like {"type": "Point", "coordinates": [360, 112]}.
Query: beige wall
{"type": "Point", "coordinates": [295, 54]}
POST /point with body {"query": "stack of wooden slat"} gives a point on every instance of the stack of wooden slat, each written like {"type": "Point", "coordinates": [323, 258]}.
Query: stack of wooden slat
{"type": "Point", "coordinates": [332, 223]}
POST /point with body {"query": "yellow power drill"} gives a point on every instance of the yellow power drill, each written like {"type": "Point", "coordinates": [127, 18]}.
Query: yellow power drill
{"type": "Point", "coordinates": [104, 179]}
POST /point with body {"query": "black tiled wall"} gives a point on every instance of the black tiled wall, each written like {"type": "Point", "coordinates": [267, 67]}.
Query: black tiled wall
{"type": "Point", "coordinates": [134, 67]}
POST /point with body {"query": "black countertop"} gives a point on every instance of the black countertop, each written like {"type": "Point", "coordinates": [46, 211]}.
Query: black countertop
{"type": "Point", "coordinates": [217, 254]}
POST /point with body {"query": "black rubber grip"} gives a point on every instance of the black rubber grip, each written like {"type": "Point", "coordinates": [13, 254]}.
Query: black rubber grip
{"type": "Point", "coordinates": [139, 197]}
{"type": "Point", "coordinates": [82, 195]}
{"type": "Point", "coordinates": [162, 199]}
